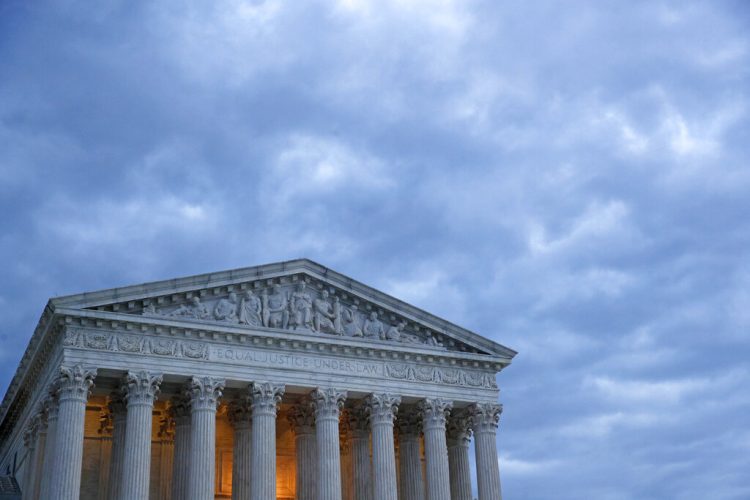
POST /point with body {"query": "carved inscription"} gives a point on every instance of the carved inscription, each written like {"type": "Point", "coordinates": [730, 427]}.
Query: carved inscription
{"type": "Point", "coordinates": [301, 362]}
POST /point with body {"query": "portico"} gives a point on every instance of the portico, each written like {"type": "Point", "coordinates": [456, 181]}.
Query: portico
{"type": "Point", "coordinates": [280, 381]}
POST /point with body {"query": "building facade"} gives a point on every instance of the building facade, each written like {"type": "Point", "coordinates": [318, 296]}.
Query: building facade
{"type": "Point", "coordinates": [283, 381]}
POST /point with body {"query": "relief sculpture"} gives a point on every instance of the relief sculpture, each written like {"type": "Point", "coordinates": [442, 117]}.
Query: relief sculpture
{"type": "Point", "coordinates": [297, 307]}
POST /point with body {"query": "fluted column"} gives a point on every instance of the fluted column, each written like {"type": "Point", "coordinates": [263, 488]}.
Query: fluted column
{"type": "Point", "coordinates": [33, 438]}
{"type": "Point", "coordinates": [141, 388]}
{"type": "Point", "coordinates": [265, 398]}
{"type": "Point", "coordinates": [434, 414]}
{"type": "Point", "coordinates": [204, 396]}
{"type": "Point", "coordinates": [458, 435]}
{"type": "Point", "coordinates": [409, 424]}
{"type": "Point", "coordinates": [118, 410]}
{"type": "Point", "coordinates": [240, 417]}
{"type": "Point", "coordinates": [302, 419]}
{"type": "Point", "coordinates": [166, 450]}
{"type": "Point", "coordinates": [382, 409]}
{"type": "Point", "coordinates": [48, 460]}
{"type": "Point", "coordinates": [484, 421]}
{"type": "Point", "coordinates": [180, 412]}
{"type": "Point", "coordinates": [328, 403]}
{"type": "Point", "coordinates": [347, 467]}
{"type": "Point", "coordinates": [359, 432]}
{"type": "Point", "coordinates": [73, 392]}
{"type": "Point", "coordinates": [105, 434]}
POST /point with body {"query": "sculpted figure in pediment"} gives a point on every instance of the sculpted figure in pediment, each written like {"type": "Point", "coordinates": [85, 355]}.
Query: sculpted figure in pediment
{"type": "Point", "coordinates": [373, 328]}
{"type": "Point", "coordinates": [301, 304]}
{"type": "Point", "coordinates": [327, 317]}
{"type": "Point", "coordinates": [226, 309]}
{"type": "Point", "coordinates": [149, 310]}
{"type": "Point", "coordinates": [193, 309]}
{"type": "Point", "coordinates": [250, 309]}
{"type": "Point", "coordinates": [352, 322]}
{"type": "Point", "coordinates": [396, 333]}
{"type": "Point", "coordinates": [275, 313]}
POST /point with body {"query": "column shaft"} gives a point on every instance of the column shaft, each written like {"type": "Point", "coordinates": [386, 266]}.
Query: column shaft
{"type": "Point", "coordinates": [458, 435]}
{"type": "Point", "coordinates": [434, 413]}
{"type": "Point", "coordinates": [141, 390]}
{"type": "Point", "coordinates": [410, 461]}
{"type": "Point", "coordinates": [33, 437]}
{"type": "Point", "coordinates": [74, 385]}
{"type": "Point", "coordinates": [240, 416]}
{"type": "Point", "coordinates": [359, 432]}
{"type": "Point", "coordinates": [118, 409]}
{"type": "Point", "coordinates": [265, 399]}
{"type": "Point", "coordinates": [302, 419]}
{"type": "Point", "coordinates": [484, 420]}
{"type": "Point", "coordinates": [166, 457]}
{"type": "Point", "coordinates": [205, 394]}
{"type": "Point", "coordinates": [382, 409]}
{"type": "Point", "coordinates": [180, 412]}
{"type": "Point", "coordinates": [48, 453]}
{"type": "Point", "coordinates": [328, 404]}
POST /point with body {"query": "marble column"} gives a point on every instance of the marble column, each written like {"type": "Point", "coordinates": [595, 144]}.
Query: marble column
{"type": "Point", "coordinates": [345, 451]}
{"type": "Point", "coordinates": [409, 424]}
{"type": "Point", "coordinates": [179, 410]}
{"type": "Point", "coordinates": [49, 445]}
{"type": "Point", "coordinates": [204, 396]}
{"type": "Point", "coordinates": [118, 410]}
{"type": "Point", "coordinates": [382, 409]}
{"type": "Point", "coordinates": [240, 417]}
{"type": "Point", "coordinates": [105, 457]}
{"type": "Point", "coordinates": [74, 385]}
{"type": "Point", "coordinates": [264, 403]}
{"type": "Point", "coordinates": [166, 456]}
{"type": "Point", "coordinates": [458, 435]}
{"type": "Point", "coordinates": [328, 403]}
{"type": "Point", "coordinates": [302, 419]}
{"type": "Point", "coordinates": [33, 438]}
{"type": "Point", "coordinates": [484, 421]}
{"type": "Point", "coordinates": [359, 432]}
{"type": "Point", "coordinates": [434, 415]}
{"type": "Point", "coordinates": [141, 389]}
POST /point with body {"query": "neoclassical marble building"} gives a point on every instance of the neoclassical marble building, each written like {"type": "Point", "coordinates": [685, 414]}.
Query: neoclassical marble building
{"type": "Point", "coordinates": [283, 381]}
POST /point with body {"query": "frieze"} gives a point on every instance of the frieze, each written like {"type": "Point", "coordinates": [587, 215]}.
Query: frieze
{"type": "Point", "coordinates": [177, 348]}
{"type": "Point", "coordinates": [134, 344]}
{"type": "Point", "coordinates": [295, 307]}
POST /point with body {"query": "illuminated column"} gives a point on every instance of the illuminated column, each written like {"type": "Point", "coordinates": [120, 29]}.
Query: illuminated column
{"type": "Point", "coordinates": [166, 450]}
{"type": "Point", "coordinates": [49, 444]}
{"type": "Point", "coordinates": [74, 385]}
{"type": "Point", "coordinates": [240, 417]}
{"type": "Point", "coordinates": [410, 462]}
{"type": "Point", "coordinates": [458, 435]}
{"type": "Point", "coordinates": [118, 410]}
{"type": "Point", "coordinates": [180, 412]}
{"type": "Point", "coordinates": [105, 456]}
{"type": "Point", "coordinates": [359, 432]}
{"type": "Point", "coordinates": [265, 398]}
{"type": "Point", "coordinates": [434, 414]}
{"type": "Point", "coordinates": [204, 396]}
{"type": "Point", "coordinates": [347, 467]}
{"type": "Point", "coordinates": [328, 403]}
{"type": "Point", "coordinates": [382, 409]}
{"type": "Point", "coordinates": [141, 388]}
{"type": "Point", "coordinates": [484, 421]}
{"type": "Point", "coordinates": [302, 419]}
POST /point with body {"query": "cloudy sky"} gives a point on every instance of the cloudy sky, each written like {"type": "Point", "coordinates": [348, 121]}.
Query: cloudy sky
{"type": "Point", "coordinates": [570, 179]}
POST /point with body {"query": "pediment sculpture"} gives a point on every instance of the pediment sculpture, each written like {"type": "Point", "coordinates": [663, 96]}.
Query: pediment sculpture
{"type": "Point", "coordinates": [297, 307]}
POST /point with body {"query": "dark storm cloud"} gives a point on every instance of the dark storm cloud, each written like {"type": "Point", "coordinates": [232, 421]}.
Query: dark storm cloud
{"type": "Point", "coordinates": [569, 179]}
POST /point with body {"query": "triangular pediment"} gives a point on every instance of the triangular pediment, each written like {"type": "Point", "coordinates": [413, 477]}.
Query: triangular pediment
{"type": "Point", "coordinates": [297, 296]}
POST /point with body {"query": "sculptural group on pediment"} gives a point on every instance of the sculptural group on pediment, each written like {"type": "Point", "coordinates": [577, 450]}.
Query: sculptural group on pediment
{"type": "Point", "coordinates": [299, 308]}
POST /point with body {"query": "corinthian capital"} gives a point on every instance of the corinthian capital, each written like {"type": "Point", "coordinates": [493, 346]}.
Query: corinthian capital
{"type": "Point", "coordinates": [434, 413]}
{"type": "Point", "coordinates": [301, 416]}
{"type": "Point", "coordinates": [240, 413]}
{"type": "Point", "coordinates": [382, 408]}
{"type": "Point", "coordinates": [409, 422]}
{"type": "Point", "coordinates": [204, 393]}
{"type": "Point", "coordinates": [458, 430]}
{"type": "Point", "coordinates": [327, 402]}
{"type": "Point", "coordinates": [75, 382]}
{"type": "Point", "coordinates": [265, 398]}
{"type": "Point", "coordinates": [485, 417]}
{"type": "Point", "coordinates": [357, 421]}
{"type": "Point", "coordinates": [179, 409]}
{"type": "Point", "coordinates": [141, 388]}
